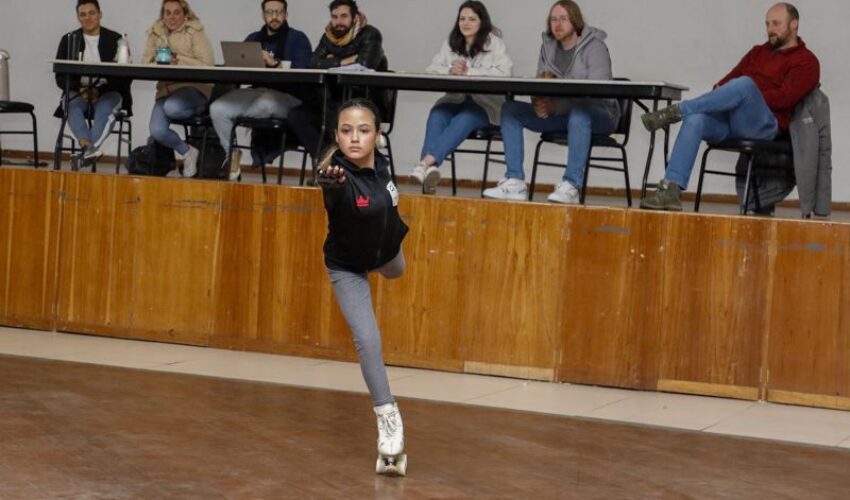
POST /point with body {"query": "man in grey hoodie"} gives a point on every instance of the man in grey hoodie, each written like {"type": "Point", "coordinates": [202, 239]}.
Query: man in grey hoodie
{"type": "Point", "coordinates": [570, 50]}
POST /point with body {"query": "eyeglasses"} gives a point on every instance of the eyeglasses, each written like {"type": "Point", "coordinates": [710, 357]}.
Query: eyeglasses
{"type": "Point", "coordinates": [559, 19]}
{"type": "Point", "coordinates": [91, 13]}
{"type": "Point", "coordinates": [275, 12]}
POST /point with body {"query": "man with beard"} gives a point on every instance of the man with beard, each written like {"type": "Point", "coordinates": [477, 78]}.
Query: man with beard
{"type": "Point", "coordinates": [573, 50]}
{"type": "Point", "coordinates": [349, 39]}
{"type": "Point", "coordinates": [755, 101]}
{"type": "Point", "coordinates": [280, 42]}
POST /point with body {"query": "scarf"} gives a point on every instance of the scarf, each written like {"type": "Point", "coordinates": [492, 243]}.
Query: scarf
{"type": "Point", "coordinates": [277, 40]}
{"type": "Point", "coordinates": [360, 22]}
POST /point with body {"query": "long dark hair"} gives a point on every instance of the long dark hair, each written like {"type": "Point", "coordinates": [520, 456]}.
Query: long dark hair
{"type": "Point", "coordinates": [457, 42]}
{"type": "Point", "coordinates": [357, 102]}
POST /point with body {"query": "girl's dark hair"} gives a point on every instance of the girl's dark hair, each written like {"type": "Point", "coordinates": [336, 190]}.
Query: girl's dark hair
{"type": "Point", "coordinates": [457, 42]}
{"type": "Point", "coordinates": [360, 102]}
{"type": "Point", "coordinates": [357, 102]}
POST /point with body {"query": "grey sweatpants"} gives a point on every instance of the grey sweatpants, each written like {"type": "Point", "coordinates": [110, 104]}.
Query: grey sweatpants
{"type": "Point", "coordinates": [248, 103]}
{"type": "Point", "coordinates": [355, 299]}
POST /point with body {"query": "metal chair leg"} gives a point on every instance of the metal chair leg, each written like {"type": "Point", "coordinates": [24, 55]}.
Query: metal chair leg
{"type": "Point", "coordinates": [282, 154]}
{"type": "Point", "coordinates": [120, 139]}
{"type": "Point", "coordinates": [534, 170]}
{"type": "Point", "coordinates": [34, 140]}
{"type": "Point", "coordinates": [701, 177]}
{"type": "Point", "coordinates": [454, 174]}
{"type": "Point", "coordinates": [486, 167]}
{"type": "Point", "coordinates": [746, 201]}
{"type": "Point", "coordinates": [583, 193]}
{"type": "Point", "coordinates": [390, 154]}
{"type": "Point", "coordinates": [229, 151]}
{"type": "Point", "coordinates": [303, 168]}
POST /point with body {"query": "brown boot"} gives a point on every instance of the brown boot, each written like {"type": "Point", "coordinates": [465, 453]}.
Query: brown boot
{"type": "Point", "coordinates": [668, 196]}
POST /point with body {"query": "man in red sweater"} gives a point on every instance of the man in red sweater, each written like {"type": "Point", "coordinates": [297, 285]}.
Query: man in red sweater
{"type": "Point", "coordinates": [754, 101]}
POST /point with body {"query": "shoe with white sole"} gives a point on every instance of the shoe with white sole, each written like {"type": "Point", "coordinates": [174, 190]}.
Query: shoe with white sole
{"type": "Point", "coordinates": [190, 162]}
{"type": "Point", "coordinates": [566, 194]}
{"type": "Point", "coordinates": [234, 165]}
{"type": "Point", "coordinates": [428, 176]}
{"type": "Point", "coordinates": [508, 189]}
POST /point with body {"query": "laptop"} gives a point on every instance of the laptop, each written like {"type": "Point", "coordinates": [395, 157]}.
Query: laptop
{"type": "Point", "coordinates": [243, 54]}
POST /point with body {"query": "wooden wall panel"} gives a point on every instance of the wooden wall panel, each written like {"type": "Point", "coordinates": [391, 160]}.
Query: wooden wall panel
{"type": "Point", "coordinates": [728, 306]}
{"type": "Point", "coordinates": [420, 315]}
{"type": "Point", "coordinates": [30, 212]}
{"type": "Point", "coordinates": [716, 279]}
{"type": "Point", "coordinates": [97, 253]}
{"type": "Point", "coordinates": [272, 290]}
{"type": "Point", "coordinates": [513, 289]}
{"type": "Point", "coordinates": [612, 264]}
{"type": "Point", "coordinates": [810, 327]}
{"type": "Point", "coordinates": [7, 176]}
{"type": "Point", "coordinates": [175, 260]}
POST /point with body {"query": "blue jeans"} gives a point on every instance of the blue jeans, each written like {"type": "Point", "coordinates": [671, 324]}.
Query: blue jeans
{"type": "Point", "coordinates": [186, 102]}
{"type": "Point", "coordinates": [449, 124]}
{"type": "Point", "coordinates": [581, 124]}
{"type": "Point", "coordinates": [103, 116]}
{"type": "Point", "coordinates": [736, 110]}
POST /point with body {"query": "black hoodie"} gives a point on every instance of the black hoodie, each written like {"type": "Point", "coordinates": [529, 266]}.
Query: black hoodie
{"type": "Point", "coordinates": [365, 230]}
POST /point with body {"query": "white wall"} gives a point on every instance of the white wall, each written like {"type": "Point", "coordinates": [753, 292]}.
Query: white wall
{"type": "Point", "coordinates": [692, 42]}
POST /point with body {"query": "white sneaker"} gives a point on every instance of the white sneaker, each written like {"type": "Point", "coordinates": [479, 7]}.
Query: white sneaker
{"type": "Point", "coordinates": [234, 165]}
{"type": "Point", "coordinates": [428, 176]}
{"type": "Point", "coordinates": [85, 158]}
{"type": "Point", "coordinates": [91, 155]}
{"type": "Point", "coordinates": [390, 430]}
{"type": "Point", "coordinates": [418, 173]}
{"type": "Point", "coordinates": [508, 189]}
{"type": "Point", "coordinates": [190, 162]}
{"type": "Point", "coordinates": [565, 193]}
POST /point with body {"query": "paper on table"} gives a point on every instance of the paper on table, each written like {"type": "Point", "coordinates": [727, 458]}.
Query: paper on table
{"type": "Point", "coordinates": [353, 68]}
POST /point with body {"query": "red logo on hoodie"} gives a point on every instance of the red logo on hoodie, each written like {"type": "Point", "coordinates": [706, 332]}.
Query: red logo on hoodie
{"type": "Point", "coordinates": [362, 201]}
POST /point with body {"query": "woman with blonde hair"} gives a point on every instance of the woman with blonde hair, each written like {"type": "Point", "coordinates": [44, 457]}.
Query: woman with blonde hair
{"type": "Point", "coordinates": [178, 38]}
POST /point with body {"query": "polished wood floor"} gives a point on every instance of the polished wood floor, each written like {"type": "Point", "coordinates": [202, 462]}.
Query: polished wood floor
{"type": "Point", "coordinates": [83, 431]}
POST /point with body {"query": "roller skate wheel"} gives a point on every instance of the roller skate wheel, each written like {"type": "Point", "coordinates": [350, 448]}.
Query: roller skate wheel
{"type": "Point", "coordinates": [392, 466]}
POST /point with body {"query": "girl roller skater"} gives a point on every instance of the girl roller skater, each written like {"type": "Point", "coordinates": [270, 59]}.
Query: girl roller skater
{"type": "Point", "coordinates": [364, 235]}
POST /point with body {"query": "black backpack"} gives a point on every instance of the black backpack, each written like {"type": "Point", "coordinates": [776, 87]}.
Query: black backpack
{"type": "Point", "coordinates": [152, 159]}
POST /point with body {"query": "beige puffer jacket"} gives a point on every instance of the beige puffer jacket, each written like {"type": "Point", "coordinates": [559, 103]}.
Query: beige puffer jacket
{"type": "Point", "coordinates": [191, 46]}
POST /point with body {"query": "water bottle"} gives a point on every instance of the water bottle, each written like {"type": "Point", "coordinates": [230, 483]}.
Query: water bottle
{"type": "Point", "coordinates": [4, 76]}
{"type": "Point", "coordinates": [123, 56]}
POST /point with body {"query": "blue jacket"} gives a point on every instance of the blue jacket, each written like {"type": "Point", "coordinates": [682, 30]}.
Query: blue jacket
{"type": "Point", "coordinates": [288, 44]}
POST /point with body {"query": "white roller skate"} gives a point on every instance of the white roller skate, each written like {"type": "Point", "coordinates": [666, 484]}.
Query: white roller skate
{"type": "Point", "coordinates": [391, 459]}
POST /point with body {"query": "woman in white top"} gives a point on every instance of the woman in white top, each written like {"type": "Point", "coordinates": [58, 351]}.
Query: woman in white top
{"type": "Point", "coordinates": [472, 49]}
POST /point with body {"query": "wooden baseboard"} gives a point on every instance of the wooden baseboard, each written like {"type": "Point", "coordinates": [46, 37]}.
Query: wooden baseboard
{"type": "Point", "coordinates": [704, 389]}
{"type": "Point", "coordinates": [813, 400]}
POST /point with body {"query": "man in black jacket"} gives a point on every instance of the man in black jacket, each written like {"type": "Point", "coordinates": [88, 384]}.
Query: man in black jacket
{"type": "Point", "coordinates": [348, 40]}
{"type": "Point", "coordinates": [92, 97]}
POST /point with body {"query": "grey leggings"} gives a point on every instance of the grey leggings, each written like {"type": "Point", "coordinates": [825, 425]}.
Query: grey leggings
{"type": "Point", "coordinates": [355, 299]}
